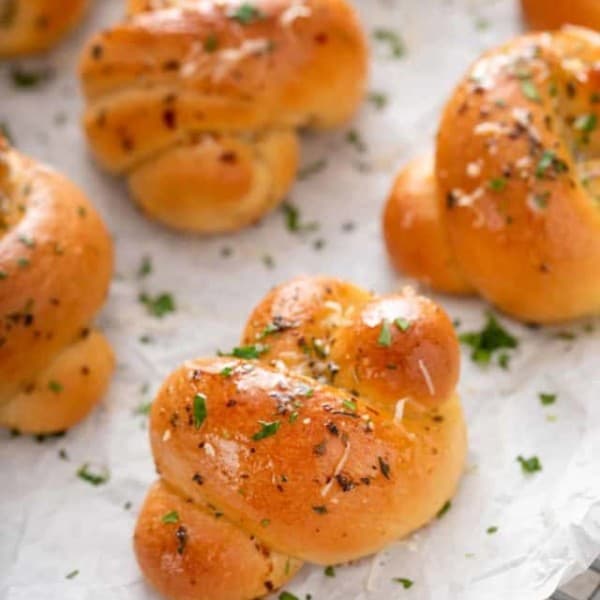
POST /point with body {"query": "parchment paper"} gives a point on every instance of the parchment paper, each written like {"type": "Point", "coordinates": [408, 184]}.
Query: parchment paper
{"type": "Point", "coordinates": [53, 524]}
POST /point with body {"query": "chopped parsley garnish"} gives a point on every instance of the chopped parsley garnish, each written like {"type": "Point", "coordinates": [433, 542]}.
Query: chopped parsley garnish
{"type": "Point", "coordinates": [145, 267]}
{"type": "Point", "coordinates": [444, 509]}
{"type": "Point", "coordinates": [530, 90]}
{"type": "Point", "coordinates": [249, 352]}
{"type": "Point", "coordinates": [23, 262]}
{"type": "Point", "coordinates": [490, 339]}
{"type": "Point", "coordinates": [497, 184]}
{"type": "Point", "coordinates": [211, 43]}
{"type": "Point", "coordinates": [274, 326]}
{"type": "Point", "coordinates": [385, 335]}
{"type": "Point", "coordinates": [392, 40]}
{"type": "Point", "coordinates": [55, 386]}
{"type": "Point", "coordinates": [402, 324]}
{"type": "Point", "coordinates": [547, 399]}
{"type": "Point", "coordinates": [349, 405]}
{"type": "Point", "coordinates": [547, 161]}
{"type": "Point", "coordinates": [586, 123]}
{"type": "Point", "coordinates": [72, 574]}
{"type": "Point", "coordinates": [226, 371]}
{"type": "Point", "coordinates": [23, 78]}
{"type": "Point", "coordinates": [293, 221]}
{"type": "Point", "coordinates": [378, 100]}
{"type": "Point", "coordinates": [312, 168]}
{"type": "Point", "coordinates": [95, 478]}
{"type": "Point", "coordinates": [245, 14]}
{"type": "Point", "coordinates": [267, 429]}
{"type": "Point", "coordinates": [170, 517]}
{"type": "Point", "coordinates": [200, 411]}
{"type": "Point", "coordinates": [143, 408]}
{"type": "Point", "coordinates": [353, 137]}
{"type": "Point", "coordinates": [530, 465]}
{"type": "Point", "coordinates": [491, 530]}
{"type": "Point", "coordinates": [160, 305]}
{"type": "Point", "coordinates": [320, 510]}
{"type": "Point", "coordinates": [329, 571]}
{"type": "Point", "coordinates": [541, 200]}
{"type": "Point", "coordinates": [265, 522]}
{"type": "Point", "coordinates": [287, 595]}
{"type": "Point", "coordinates": [404, 582]}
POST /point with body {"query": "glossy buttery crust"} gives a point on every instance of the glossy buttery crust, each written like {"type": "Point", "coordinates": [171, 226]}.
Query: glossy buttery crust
{"type": "Point", "coordinates": [510, 205]}
{"type": "Point", "coordinates": [541, 14]}
{"type": "Point", "coordinates": [199, 108]}
{"type": "Point", "coordinates": [369, 442]}
{"type": "Point", "coordinates": [55, 266]}
{"type": "Point", "coordinates": [29, 26]}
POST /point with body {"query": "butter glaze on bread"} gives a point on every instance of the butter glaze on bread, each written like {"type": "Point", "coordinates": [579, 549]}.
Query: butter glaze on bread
{"type": "Point", "coordinates": [55, 268]}
{"type": "Point", "coordinates": [345, 435]}
{"type": "Point", "coordinates": [510, 206]}
{"type": "Point", "coordinates": [541, 14]}
{"type": "Point", "coordinates": [199, 106]}
{"type": "Point", "coordinates": [29, 26]}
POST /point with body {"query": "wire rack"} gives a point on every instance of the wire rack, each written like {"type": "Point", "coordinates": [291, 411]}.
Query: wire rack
{"type": "Point", "coordinates": [584, 587]}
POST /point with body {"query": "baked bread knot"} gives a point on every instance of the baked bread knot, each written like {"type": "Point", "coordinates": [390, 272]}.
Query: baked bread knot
{"type": "Point", "coordinates": [55, 267]}
{"type": "Point", "coordinates": [29, 26]}
{"type": "Point", "coordinates": [198, 103]}
{"type": "Point", "coordinates": [332, 430]}
{"type": "Point", "coordinates": [510, 206]}
{"type": "Point", "coordinates": [541, 14]}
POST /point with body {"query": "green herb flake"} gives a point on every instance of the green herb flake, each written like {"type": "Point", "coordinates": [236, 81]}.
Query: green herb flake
{"type": "Point", "coordinates": [249, 352]}
{"type": "Point", "coordinates": [447, 506]}
{"type": "Point", "coordinates": [159, 305]}
{"type": "Point", "coordinates": [354, 138]}
{"type": "Point", "coordinates": [385, 335]}
{"type": "Point", "coordinates": [95, 478]}
{"type": "Point", "coordinates": [246, 14]}
{"type": "Point", "coordinates": [29, 78]}
{"type": "Point", "coordinates": [320, 510]}
{"type": "Point", "coordinates": [265, 522]}
{"type": "Point", "coordinates": [55, 386]}
{"type": "Point", "coordinates": [312, 169]}
{"type": "Point", "coordinates": [23, 262]}
{"type": "Point", "coordinates": [378, 100]}
{"type": "Point", "coordinates": [547, 161]}
{"type": "Point", "coordinates": [547, 399]}
{"type": "Point", "coordinates": [267, 429]}
{"type": "Point", "coordinates": [402, 324]}
{"type": "Point", "coordinates": [287, 595]}
{"type": "Point", "coordinates": [226, 371]}
{"type": "Point", "coordinates": [349, 405]}
{"type": "Point", "coordinates": [530, 465]}
{"type": "Point", "coordinates": [491, 530]}
{"type": "Point", "coordinates": [170, 517]}
{"type": "Point", "coordinates": [329, 571]}
{"type": "Point", "coordinates": [143, 408]}
{"type": "Point", "coordinates": [145, 267]}
{"type": "Point", "coordinates": [211, 43]}
{"type": "Point", "coordinates": [72, 574]}
{"type": "Point", "coordinates": [293, 220]}
{"type": "Point", "coordinates": [404, 582]}
{"type": "Point", "coordinates": [497, 184]}
{"type": "Point", "coordinates": [392, 40]}
{"type": "Point", "coordinates": [293, 417]}
{"type": "Point", "coordinates": [490, 339]}
{"type": "Point", "coordinates": [586, 123]}
{"type": "Point", "coordinates": [199, 410]}
{"type": "Point", "coordinates": [530, 91]}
